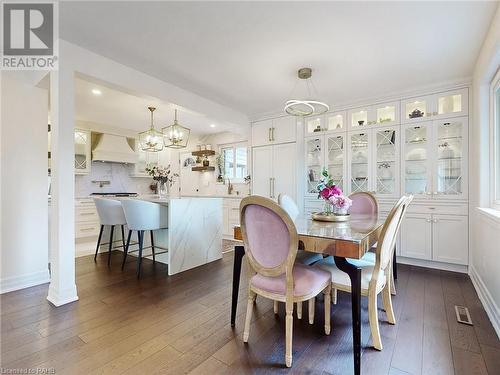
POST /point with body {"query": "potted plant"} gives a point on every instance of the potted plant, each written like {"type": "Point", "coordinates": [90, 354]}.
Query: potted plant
{"type": "Point", "coordinates": [219, 160]}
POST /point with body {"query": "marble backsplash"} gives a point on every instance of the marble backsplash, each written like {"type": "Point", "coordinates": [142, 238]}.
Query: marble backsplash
{"type": "Point", "coordinates": [119, 176]}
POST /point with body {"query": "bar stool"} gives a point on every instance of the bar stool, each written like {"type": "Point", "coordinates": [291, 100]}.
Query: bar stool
{"type": "Point", "coordinates": [141, 216]}
{"type": "Point", "coordinates": [110, 213]}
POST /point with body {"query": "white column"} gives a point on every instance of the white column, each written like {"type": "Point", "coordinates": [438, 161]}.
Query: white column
{"type": "Point", "coordinates": [62, 287]}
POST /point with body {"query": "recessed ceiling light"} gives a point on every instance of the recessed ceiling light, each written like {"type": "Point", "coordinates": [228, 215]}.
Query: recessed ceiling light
{"type": "Point", "coordinates": [212, 125]}
{"type": "Point", "coordinates": [96, 92]}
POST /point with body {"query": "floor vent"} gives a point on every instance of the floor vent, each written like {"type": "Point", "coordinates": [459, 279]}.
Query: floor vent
{"type": "Point", "coordinates": [463, 315]}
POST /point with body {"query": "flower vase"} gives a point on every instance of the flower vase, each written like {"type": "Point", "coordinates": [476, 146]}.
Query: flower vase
{"type": "Point", "coordinates": [327, 210]}
{"type": "Point", "coordinates": [339, 211]}
{"type": "Point", "coordinates": [162, 188]}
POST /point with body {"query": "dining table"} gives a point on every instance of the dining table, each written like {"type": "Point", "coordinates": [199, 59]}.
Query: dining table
{"type": "Point", "coordinates": [345, 240]}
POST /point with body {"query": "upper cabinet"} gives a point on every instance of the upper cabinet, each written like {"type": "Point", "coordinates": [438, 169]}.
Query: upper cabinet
{"type": "Point", "coordinates": [435, 159]}
{"type": "Point", "coordinates": [274, 131]}
{"type": "Point", "coordinates": [329, 123]}
{"type": "Point", "coordinates": [384, 114]}
{"type": "Point", "coordinates": [82, 151]}
{"type": "Point", "coordinates": [443, 105]}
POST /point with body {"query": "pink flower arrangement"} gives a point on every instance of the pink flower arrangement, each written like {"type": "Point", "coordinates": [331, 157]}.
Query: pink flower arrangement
{"type": "Point", "coordinates": [332, 194]}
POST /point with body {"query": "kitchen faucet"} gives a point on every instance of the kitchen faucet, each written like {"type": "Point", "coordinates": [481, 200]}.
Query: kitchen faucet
{"type": "Point", "coordinates": [229, 187]}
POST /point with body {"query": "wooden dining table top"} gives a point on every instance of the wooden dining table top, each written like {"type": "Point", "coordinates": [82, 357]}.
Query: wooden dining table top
{"type": "Point", "coordinates": [349, 239]}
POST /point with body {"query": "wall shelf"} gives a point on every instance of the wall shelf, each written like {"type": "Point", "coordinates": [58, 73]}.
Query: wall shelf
{"type": "Point", "coordinates": [203, 169]}
{"type": "Point", "coordinates": [203, 153]}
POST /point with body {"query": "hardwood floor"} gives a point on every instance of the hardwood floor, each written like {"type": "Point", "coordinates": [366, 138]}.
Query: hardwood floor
{"type": "Point", "coordinates": [180, 324]}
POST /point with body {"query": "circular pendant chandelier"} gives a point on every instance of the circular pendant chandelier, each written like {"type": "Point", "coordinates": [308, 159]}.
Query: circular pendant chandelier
{"type": "Point", "coordinates": [306, 107]}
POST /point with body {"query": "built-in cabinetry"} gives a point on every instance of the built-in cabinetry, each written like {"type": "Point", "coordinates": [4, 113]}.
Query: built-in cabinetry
{"type": "Point", "coordinates": [230, 216]}
{"type": "Point", "coordinates": [274, 170]}
{"type": "Point", "coordinates": [86, 218]}
{"type": "Point", "coordinates": [274, 131]}
{"type": "Point", "coordinates": [415, 145]}
{"type": "Point", "coordinates": [82, 151]}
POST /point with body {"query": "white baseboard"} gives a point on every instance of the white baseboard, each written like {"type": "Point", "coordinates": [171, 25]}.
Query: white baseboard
{"type": "Point", "coordinates": [62, 297]}
{"type": "Point", "coordinates": [431, 264]}
{"type": "Point", "coordinates": [10, 284]}
{"type": "Point", "coordinates": [487, 300]}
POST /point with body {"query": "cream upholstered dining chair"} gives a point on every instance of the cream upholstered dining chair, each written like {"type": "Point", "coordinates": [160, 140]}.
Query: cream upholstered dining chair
{"type": "Point", "coordinates": [271, 242]}
{"type": "Point", "coordinates": [305, 257]}
{"type": "Point", "coordinates": [375, 278]}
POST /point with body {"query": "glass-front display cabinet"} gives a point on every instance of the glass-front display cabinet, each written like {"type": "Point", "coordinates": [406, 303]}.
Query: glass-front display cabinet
{"type": "Point", "coordinates": [327, 151]}
{"type": "Point", "coordinates": [387, 161]}
{"type": "Point", "coordinates": [417, 159]}
{"type": "Point", "coordinates": [82, 151]}
{"type": "Point", "coordinates": [359, 171]}
{"type": "Point", "coordinates": [330, 122]}
{"type": "Point", "coordinates": [443, 105]}
{"type": "Point", "coordinates": [451, 162]}
{"type": "Point", "coordinates": [435, 159]}
{"type": "Point", "coordinates": [384, 114]}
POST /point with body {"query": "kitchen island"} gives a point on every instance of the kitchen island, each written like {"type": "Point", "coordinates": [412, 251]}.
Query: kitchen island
{"type": "Point", "coordinates": [193, 233]}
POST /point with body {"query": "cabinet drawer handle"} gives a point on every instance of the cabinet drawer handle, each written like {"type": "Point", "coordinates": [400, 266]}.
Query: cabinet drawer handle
{"type": "Point", "coordinates": [272, 134]}
{"type": "Point", "coordinates": [269, 134]}
{"type": "Point", "coordinates": [86, 229]}
{"type": "Point", "coordinates": [86, 213]}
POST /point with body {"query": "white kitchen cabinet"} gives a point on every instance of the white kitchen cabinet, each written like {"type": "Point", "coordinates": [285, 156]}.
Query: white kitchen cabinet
{"type": "Point", "coordinates": [435, 159]}
{"type": "Point", "coordinates": [384, 114]}
{"type": "Point", "coordinates": [333, 122]}
{"type": "Point", "coordinates": [273, 131]}
{"type": "Point", "coordinates": [274, 170]}
{"type": "Point", "coordinates": [373, 161]}
{"type": "Point", "coordinates": [416, 236]}
{"type": "Point", "coordinates": [82, 151]}
{"type": "Point", "coordinates": [230, 216]}
{"type": "Point", "coordinates": [450, 239]}
{"type": "Point", "coordinates": [86, 218]}
{"type": "Point", "coordinates": [436, 106]}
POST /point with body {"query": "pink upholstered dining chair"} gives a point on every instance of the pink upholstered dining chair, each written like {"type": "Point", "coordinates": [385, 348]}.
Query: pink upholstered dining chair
{"type": "Point", "coordinates": [271, 243]}
{"type": "Point", "coordinates": [363, 203]}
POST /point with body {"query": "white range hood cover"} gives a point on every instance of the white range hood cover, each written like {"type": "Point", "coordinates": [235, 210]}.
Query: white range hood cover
{"type": "Point", "coordinates": [114, 148]}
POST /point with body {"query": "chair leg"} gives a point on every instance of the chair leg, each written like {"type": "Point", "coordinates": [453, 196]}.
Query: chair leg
{"type": "Point", "coordinates": [153, 246]}
{"type": "Point", "coordinates": [289, 332]}
{"type": "Point", "coordinates": [327, 292]}
{"type": "Point", "coordinates": [299, 310]}
{"type": "Point", "coordinates": [311, 310]}
{"type": "Point", "coordinates": [140, 234]}
{"type": "Point", "coordinates": [275, 307]}
{"type": "Point", "coordinates": [393, 285]}
{"type": "Point", "coordinates": [373, 317]}
{"type": "Point", "coordinates": [98, 242]}
{"type": "Point", "coordinates": [387, 301]}
{"type": "Point", "coordinates": [125, 252]}
{"type": "Point", "coordinates": [110, 244]}
{"type": "Point", "coordinates": [334, 296]}
{"type": "Point", "coordinates": [123, 238]}
{"type": "Point", "coordinates": [248, 318]}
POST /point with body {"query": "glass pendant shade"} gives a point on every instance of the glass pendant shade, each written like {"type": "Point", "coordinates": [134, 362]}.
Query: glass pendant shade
{"type": "Point", "coordinates": [175, 135]}
{"type": "Point", "coordinates": [151, 140]}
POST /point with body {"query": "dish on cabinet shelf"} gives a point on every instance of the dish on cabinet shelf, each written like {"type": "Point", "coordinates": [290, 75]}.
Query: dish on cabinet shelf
{"type": "Point", "coordinates": [416, 154]}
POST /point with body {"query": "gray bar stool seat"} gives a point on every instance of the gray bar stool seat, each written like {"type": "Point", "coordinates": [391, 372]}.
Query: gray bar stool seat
{"type": "Point", "coordinates": [110, 213]}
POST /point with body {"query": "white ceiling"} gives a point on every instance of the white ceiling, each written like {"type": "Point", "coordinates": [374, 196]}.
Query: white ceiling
{"type": "Point", "coordinates": [245, 54]}
{"type": "Point", "coordinates": [120, 109]}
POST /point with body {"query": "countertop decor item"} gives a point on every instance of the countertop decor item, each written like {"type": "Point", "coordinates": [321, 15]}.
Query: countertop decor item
{"type": "Point", "coordinates": [336, 203]}
{"type": "Point", "coordinates": [176, 135]}
{"type": "Point", "coordinates": [416, 113]}
{"type": "Point", "coordinates": [164, 178]}
{"type": "Point", "coordinates": [306, 107]}
{"type": "Point", "coordinates": [151, 140]}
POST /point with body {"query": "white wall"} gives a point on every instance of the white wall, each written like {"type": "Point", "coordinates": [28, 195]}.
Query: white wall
{"type": "Point", "coordinates": [484, 229]}
{"type": "Point", "coordinates": [24, 210]}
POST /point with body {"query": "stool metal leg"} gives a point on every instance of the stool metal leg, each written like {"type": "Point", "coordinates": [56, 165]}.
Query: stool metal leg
{"type": "Point", "coordinates": [126, 248]}
{"type": "Point", "coordinates": [123, 238]}
{"type": "Point", "coordinates": [110, 244]}
{"type": "Point", "coordinates": [98, 242]}
{"type": "Point", "coordinates": [140, 234]}
{"type": "Point", "coordinates": [153, 246]}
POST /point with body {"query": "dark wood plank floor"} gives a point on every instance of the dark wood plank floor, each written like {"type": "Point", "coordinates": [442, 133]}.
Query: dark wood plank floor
{"type": "Point", "coordinates": [180, 324]}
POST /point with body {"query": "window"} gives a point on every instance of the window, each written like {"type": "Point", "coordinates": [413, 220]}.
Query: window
{"type": "Point", "coordinates": [495, 147]}
{"type": "Point", "coordinates": [235, 161]}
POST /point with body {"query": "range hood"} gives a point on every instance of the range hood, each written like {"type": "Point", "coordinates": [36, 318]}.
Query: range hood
{"type": "Point", "coordinates": [115, 149]}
